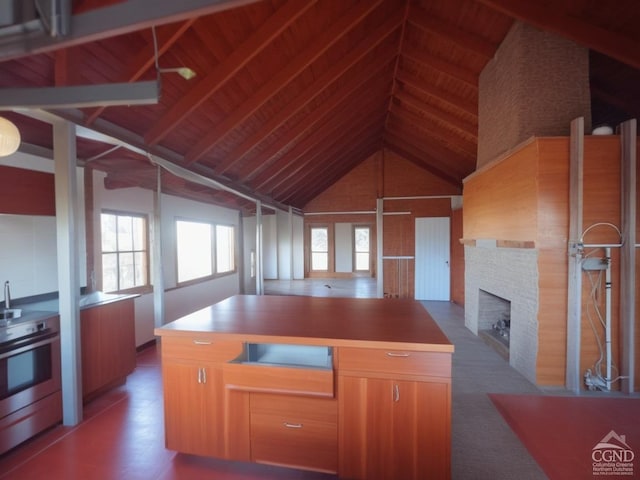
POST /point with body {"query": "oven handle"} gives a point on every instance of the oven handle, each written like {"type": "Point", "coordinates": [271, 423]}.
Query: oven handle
{"type": "Point", "coordinates": [39, 341]}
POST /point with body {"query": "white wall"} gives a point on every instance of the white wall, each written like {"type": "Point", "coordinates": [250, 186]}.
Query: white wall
{"type": "Point", "coordinates": [344, 247]}
{"type": "Point", "coordinates": [249, 245]}
{"type": "Point", "coordinates": [28, 253]}
{"type": "Point", "coordinates": [281, 239]}
{"type": "Point", "coordinates": [269, 247]}
{"type": "Point", "coordinates": [298, 247]}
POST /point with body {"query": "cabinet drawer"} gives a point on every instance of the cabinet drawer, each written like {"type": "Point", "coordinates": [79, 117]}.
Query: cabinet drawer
{"type": "Point", "coordinates": [405, 362]}
{"type": "Point", "coordinates": [200, 348]}
{"type": "Point", "coordinates": [294, 431]}
{"type": "Point", "coordinates": [269, 379]}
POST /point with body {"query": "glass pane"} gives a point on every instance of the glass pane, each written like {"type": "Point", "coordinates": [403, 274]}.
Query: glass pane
{"type": "Point", "coordinates": [224, 249]}
{"type": "Point", "coordinates": [193, 246]}
{"type": "Point", "coordinates": [108, 227]}
{"type": "Point", "coordinates": [138, 233]}
{"type": "Point", "coordinates": [362, 239]}
{"type": "Point", "coordinates": [319, 261]}
{"type": "Point", "coordinates": [109, 272]}
{"type": "Point", "coordinates": [140, 259]}
{"type": "Point", "coordinates": [125, 237]}
{"type": "Point", "coordinates": [362, 261]}
{"type": "Point", "coordinates": [319, 240]}
{"type": "Point", "coordinates": [127, 273]}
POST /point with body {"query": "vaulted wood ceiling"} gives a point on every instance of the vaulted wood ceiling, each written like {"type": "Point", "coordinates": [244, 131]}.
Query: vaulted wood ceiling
{"type": "Point", "coordinates": [290, 96]}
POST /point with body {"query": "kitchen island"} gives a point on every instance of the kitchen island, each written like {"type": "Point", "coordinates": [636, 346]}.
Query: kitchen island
{"type": "Point", "coordinates": [357, 387]}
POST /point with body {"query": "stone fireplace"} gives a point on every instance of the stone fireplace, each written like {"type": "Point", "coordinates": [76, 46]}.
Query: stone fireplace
{"type": "Point", "coordinates": [497, 280]}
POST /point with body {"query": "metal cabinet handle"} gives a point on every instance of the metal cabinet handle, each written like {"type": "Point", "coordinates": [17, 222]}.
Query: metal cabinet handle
{"type": "Point", "coordinates": [201, 342]}
{"type": "Point", "coordinates": [393, 354]}
{"type": "Point", "coordinates": [204, 375]}
{"type": "Point", "coordinates": [292, 425]}
{"type": "Point", "coordinates": [396, 393]}
{"type": "Point", "coordinates": [199, 375]}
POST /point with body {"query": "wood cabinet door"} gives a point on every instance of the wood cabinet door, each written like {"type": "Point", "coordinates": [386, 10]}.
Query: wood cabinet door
{"type": "Point", "coordinates": [393, 429]}
{"type": "Point", "coordinates": [193, 408]}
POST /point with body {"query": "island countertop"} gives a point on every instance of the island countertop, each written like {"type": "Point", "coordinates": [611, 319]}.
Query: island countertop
{"type": "Point", "coordinates": [331, 321]}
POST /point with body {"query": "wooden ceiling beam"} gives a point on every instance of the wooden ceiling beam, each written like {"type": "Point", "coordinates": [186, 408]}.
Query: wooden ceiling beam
{"type": "Point", "coordinates": [334, 144]}
{"type": "Point", "coordinates": [333, 133]}
{"type": "Point", "coordinates": [294, 68]}
{"type": "Point", "coordinates": [316, 88]}
{"type": "Point", "coordinates": [145, 59]}
{"type": "Point", "coordinates": [448, 31]}
{"type": "Point", "coordinates": [458, 102]}
{"type": "Point", "coordinates": [352, 87]}
{"type": "Point", "coordinates": [434, 130]}
{"type": "Point", "coordinates": [325, 134]}
{"type": "Point", "coordinates": [341, 168]}
{"type": "Point", "coordinates": [453, 70]}
{"type": "Point", "coordinates": [432, 149]}
{"type": "Point", "coordinates": [224, 71]}
{"type": "Point", "coordinates": [546, 17]}
{"type": "Point", "coordinates": [419, 162]}
{"type": "Point", "coordinates": [306, 188]}
{"type": "Point", "coordinates": [438, 114]}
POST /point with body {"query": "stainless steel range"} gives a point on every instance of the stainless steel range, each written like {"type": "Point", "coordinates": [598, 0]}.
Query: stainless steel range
{"type": "Point", "coordinates": [30, 396]}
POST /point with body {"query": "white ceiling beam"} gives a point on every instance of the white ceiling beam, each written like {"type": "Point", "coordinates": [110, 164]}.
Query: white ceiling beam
{"type": "Point", "coordinates": [110, 21]}
{"type": "Point", "coordinates": [82, 96]}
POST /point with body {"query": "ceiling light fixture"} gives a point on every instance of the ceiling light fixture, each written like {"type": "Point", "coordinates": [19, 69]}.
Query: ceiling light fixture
{"type": "Point", "coordinates": [184, 72]}
{"type": "Point", "coordinates": [9, 137]}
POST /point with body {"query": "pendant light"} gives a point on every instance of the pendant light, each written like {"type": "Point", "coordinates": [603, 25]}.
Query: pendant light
{"type": "Point", "coordinates": [9, 137]}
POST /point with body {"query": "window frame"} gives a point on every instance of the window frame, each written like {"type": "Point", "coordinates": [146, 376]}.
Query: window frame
{"type": "Point", "coordinates": [147, 285]}
{"type": "Point", "coordinates": [355, 252]}
{"type": "Point", "coordinates": [312, 251]}
{"type": "Point", "coordinates": [213, 246]}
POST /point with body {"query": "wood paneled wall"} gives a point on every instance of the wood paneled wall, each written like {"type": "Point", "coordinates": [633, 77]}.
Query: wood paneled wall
{"type": "Point", "coordinates": [386, 175]}
{"type": "Point", "coordinates": [500, 199]}
{"type": "Point", "coordinates": [525, 196]}
{"type": "Point", "coordinates": [457, 258]}
{"type": "Point", "coordinates": [27, 192]}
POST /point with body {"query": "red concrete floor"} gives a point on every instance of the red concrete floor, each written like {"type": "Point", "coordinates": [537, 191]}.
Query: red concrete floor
{"type": "Point", "coordinates": [122, 437]}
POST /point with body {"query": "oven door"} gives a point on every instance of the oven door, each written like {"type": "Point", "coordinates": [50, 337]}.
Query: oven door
{"type": "Point", "coordinates": [29, 372]}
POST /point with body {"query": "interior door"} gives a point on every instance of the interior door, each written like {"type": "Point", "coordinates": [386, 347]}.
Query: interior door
{"type": "Point", "coordinates": [432, 254]}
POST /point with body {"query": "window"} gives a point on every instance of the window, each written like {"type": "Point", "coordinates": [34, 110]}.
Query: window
{"type": "Point", "coordinates": [319, 248]}
{"type": "Point", "coordinates": [204, 249]}
{"type": "Point", "coordinates": [125, 251]}
{"type": "Point", "coordinates": [225, 249]}
{"type": "Point", "coordinates": [361, 247]}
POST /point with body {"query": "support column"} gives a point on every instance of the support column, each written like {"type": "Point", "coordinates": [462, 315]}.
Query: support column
{"type": "Point", "coordinates": [158, 268]}
{"type": "Point", "coordinates": [64, 155]}
{"type": "Point", "coordinates": [628, 254]}
{"type": "Point", "coordinates": [379, 247]}
{"type": "Point", "coordinates": [259, 266]}
{"type": "Point", "coordinates": [574, 301]}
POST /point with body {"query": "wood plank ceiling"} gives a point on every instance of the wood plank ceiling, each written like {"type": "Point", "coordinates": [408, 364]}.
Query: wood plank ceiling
{"type": "Point", "coordinates": [290, 96]}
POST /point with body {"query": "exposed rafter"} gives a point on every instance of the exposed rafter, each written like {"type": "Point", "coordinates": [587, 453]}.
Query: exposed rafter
{"type": "Point", "coordinates": [443, 95]}
{"type": "Point", "coordinates": [613, 44]}
{"type": "Point", "coordinates": [444, 66]}
{"type": "Point", "coordinates": [212, 83]}
{"type": "Point", "coordinates": [319, 46]}
{"type": "Point", "coordinates": [448, 31]}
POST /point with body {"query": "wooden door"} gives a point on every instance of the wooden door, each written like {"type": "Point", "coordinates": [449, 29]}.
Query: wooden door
{"type": "Point", "coordinates": [193, 408]}
{"type": "Point", "coordinates": [432, 257]}
{"type": "Point", "coordinates": [393, 429]}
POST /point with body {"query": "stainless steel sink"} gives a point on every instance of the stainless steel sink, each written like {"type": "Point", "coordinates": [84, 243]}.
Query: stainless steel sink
{"type": "Point", "coordinates": [9, 313]}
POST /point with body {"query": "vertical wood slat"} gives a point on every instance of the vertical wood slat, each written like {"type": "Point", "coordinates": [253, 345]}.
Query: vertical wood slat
{"type": "Point", "coordinates": [576, 160]}
{"type": "Point", "coordinates": [628, 254]}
